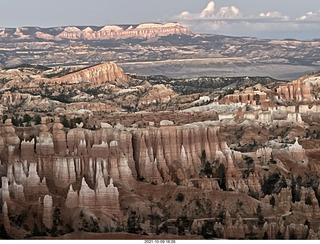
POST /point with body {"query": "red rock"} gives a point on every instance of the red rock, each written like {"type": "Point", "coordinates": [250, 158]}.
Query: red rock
{"type": "Point", "coordinates": [97, 75]}
{"type": "Point", "coordinates": [296, 90]}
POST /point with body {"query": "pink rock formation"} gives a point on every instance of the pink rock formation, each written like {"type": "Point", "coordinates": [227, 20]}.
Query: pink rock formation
{"type": "Point", "coordinates": [253, 183]}
{"type": "Point", "coordinates": [125, 172]}
{"type": "Point", "coordinates": [157, 94]}
{"type": "Point", "coordinates": [5, 194]}
{"type": "Point", "coordinates": [6, 222]}
{"type": "Point", "coordinates": [10, 138]}
{"type": "Point", "coordinates": [283, 199]}
{"type": "Point", "coordinates": [64, 172]}
{"type": "Point", "coordinates": [27, 148]}
{"type": "Point", "coordinates": [117, 32]}
{"type": "Point", "coordinates": [264, 154]}
{"type": "Point", "coordinates": [236, 230]}
{"type": "Point", "coordinates": [59, 137]}
{"type": "Point", "coordinates": [298, 153]}
{"type": "Point", "coordinates": [20, 169]}
{"type": "Point", "coordinates": [123, 147]}
{"type": "Point", "coordinates": [295, 118]}
{"type": "Point", "coordinates": [234, 179]}
{"type": "Point", "coordinates": [45, 144]}
{"type": "Point", "coordinates": [103, 198]}
{"type": "Point", "coordinates": [296, 90]}
{"type": "Point", "coordinates": [178, 149]}
{"type": "Point", "coordinates": [47, 217]}
{"type": "Point", "coordinates": [18, 192]}
{"type": "Point", "coordinates": [248, 96]}
{"type": "Point", "coordinates": [79, 140]}
{"type": "Point", "coordinates": [208, 184]}
{"type": "Point", "coordinates": [86, 196]}
{"type": "Point", "coordinates": [97, 75]}
{"type": "Point", "coordinates": [33, 184]}
{"type": "Point", "coordinates": [72, 198]}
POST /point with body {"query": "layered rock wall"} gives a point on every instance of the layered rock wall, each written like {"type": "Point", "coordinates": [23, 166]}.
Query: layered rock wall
{"type": "Point", "coordinates": [117, 32]}
{"type": "Point", "coordinates": [97, 75]}
{"type": "Point", "coordinates": [296, 90]}
{"type": "Point", "coordinates": [173, 153]}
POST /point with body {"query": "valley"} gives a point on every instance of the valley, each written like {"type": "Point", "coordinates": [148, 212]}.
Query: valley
{"type": "Point", "coordinates": [153, 132]}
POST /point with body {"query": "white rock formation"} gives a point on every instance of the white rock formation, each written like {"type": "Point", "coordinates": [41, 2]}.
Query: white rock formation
{"type": "Point", "coordinates": [47, 217]}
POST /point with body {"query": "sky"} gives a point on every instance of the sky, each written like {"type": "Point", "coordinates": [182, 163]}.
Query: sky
{"type": "Point", "coordinates": [299, 19]}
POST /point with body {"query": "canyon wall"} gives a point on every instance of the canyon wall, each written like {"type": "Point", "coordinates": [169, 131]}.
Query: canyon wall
{"type": "Point", "coordinates": [85, 177]}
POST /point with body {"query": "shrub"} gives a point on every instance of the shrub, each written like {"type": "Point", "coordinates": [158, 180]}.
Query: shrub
{"type": "Point", "coordinates": [180, 197]}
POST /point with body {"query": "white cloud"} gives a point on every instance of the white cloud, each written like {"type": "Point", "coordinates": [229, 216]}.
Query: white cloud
{"type": "Point", "coordinates": [274, 14]}
{"type": "Point", "coordinates": [230, 20]}
{"type": "Point", "coordinates": [310, 16]}
{"type": "Point", "coordinates": [210, 12]}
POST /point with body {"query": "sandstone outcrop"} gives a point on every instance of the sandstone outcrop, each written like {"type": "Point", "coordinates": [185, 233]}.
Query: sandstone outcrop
{"type": "Point", "coordinates": [27, 148]}
{"type": "Point", "coordinates": [298, 153]}
{"type": "Point", "coordinates": [283, 200]}
{"type": "Point", "coordinates": [45, 144]}
{"type": "Point", "coordinates": [103, 198]}
{"type": "Point", "coordinates": [5, 194]}
{"type": "Point", "coordinates": [248, 96]}
{"type": "Point", "coordinates": [147, 30]}
{"type": "Point", "coordinates": [6, 222]}
{"type": "Point", "coordinates": [47, 211]}
{"type": "Point", "coordinates": [295, 118]}
{"type": "Point", "coordinates": [18, 192]}
{"type": "Point", "coordinates": [34, 184]}
{"type": "Point", "coordinates": [158, 94]}
{"type": "Point", "coordinates": [178, 150]}
{"type": "Point", "coordinates": [117, 32]}
{"type": "Point", "coordinates": [79, 140]}
{"type": "Point", "coordinates": [236, 230]}
{"type": "Point", "coordinates": [59, 137]}
{"type": "Point", "coordinates": [297, 90]}
{"type": "Point", "coordinates": [264, 154]}
{"type": "Point", "coordinates": [10, 138]}
{"type": "Point", "coordinates": [96, 75]}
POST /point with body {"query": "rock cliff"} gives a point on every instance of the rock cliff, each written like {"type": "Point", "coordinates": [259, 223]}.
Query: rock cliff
{"type": "Point", "coordinates": [96, 75]}
{"type": "Point", "coordinates": [297, 90]}
{"type": "Point", "coordinates": [117, 32]}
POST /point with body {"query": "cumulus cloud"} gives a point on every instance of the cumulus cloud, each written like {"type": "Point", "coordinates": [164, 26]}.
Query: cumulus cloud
{"type": "Point", "coordinates": [315, 16]}
{"type": "Point", "coordinates": [210, 12]}
{"type": "Point", "coordinates": [274, 14]}
{"type": "Point", "coordinates": [229, 20]}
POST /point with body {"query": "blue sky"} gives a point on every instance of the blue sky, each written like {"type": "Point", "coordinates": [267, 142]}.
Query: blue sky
{"type": "Point", "coordinates": [266, 19]}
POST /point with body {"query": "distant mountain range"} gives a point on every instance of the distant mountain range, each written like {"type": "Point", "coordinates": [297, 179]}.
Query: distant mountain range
{"type": "Point", "coordinates": [159, 49]}
{"type": "Point", "coordinates": [147, 30]}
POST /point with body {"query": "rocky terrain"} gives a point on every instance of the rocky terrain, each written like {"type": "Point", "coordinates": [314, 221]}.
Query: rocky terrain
{"type": "Point", "coordinates": [158, 49]}
{"type": "Point", "coordinates": [94, 152]}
